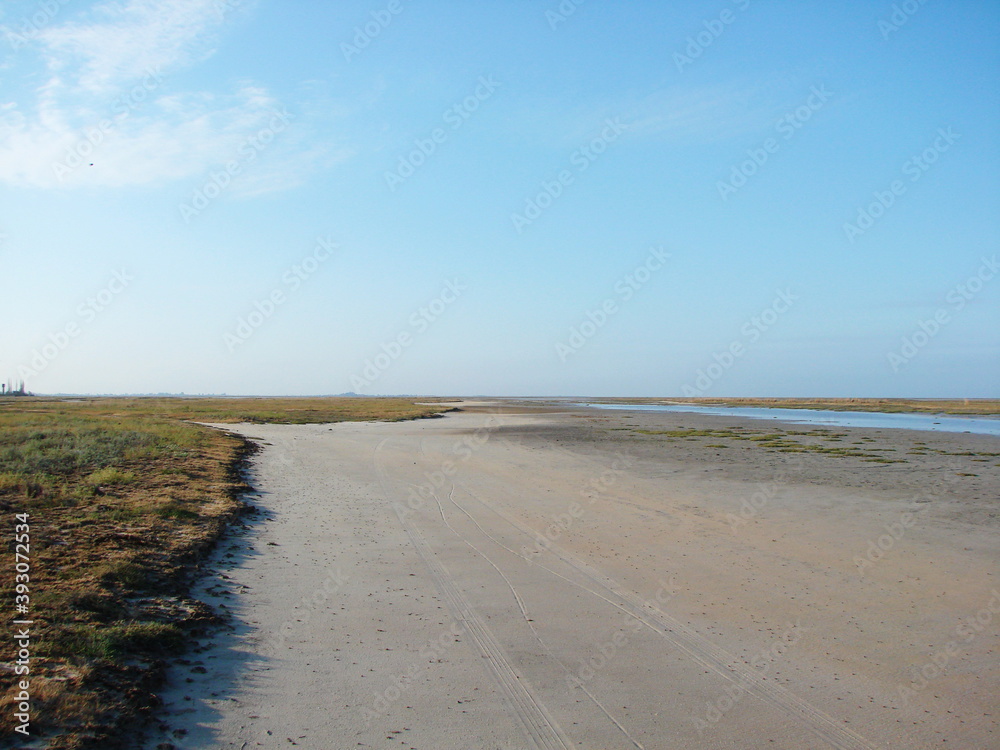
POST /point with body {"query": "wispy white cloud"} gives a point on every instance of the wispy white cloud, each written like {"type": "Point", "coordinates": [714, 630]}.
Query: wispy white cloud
{"type": "Point", "coordinates": [124, 40]}
{"type": "Point", "coordinates": [107, 115]}
{"type": "Point", "coordinates": [705, 114]}
{"type": "Point", "coordinates": [673, 114]}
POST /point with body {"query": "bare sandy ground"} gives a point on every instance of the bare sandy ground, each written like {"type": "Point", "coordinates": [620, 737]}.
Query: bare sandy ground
{"type": "Point", "coordinates": [561, 580]}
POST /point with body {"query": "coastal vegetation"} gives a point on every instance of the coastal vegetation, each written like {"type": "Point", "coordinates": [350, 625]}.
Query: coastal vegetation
{"type": "Point", "coordinates": [123, 497]}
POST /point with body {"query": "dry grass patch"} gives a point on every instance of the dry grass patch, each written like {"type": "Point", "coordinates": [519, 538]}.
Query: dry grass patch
{"type": "Point", "coordinates": [124, 497]}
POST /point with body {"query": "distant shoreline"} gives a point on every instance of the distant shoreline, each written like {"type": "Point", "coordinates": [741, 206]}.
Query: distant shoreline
{"type": "Point", "coordinates": [958, 406]}
{"type": "Point", "coordinates": [967, 407]}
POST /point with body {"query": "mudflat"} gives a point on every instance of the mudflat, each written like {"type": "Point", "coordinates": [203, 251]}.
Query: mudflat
{"type": "Point", "coordinates": [529, 578]}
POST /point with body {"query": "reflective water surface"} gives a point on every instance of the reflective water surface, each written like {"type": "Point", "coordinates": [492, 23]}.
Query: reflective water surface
{"type": "Point", "coordinates": [932, 422]}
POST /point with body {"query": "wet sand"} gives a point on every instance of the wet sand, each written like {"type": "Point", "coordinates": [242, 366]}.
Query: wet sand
{"type": "Point", "coordinates": [564, 579]}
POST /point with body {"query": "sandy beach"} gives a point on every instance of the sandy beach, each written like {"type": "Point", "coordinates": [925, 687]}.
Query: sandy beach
{"type": "Point", "coordinates": [512, 578]}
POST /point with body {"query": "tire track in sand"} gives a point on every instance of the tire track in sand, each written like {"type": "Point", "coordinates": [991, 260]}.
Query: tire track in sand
{"type": "Point", "coordinates": [520, 603]}
{"type": "Point", "coordinates": [540, 728]}
{"type": "Point", "coordinates": [690, 642]}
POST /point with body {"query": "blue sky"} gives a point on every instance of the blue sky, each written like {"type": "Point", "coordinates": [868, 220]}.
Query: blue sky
{"type": "Point", "coordinates": [508, 198]}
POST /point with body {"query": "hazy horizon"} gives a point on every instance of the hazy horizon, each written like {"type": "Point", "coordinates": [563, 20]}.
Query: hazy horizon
{"type": "Point", "coordinates": [557, 397]}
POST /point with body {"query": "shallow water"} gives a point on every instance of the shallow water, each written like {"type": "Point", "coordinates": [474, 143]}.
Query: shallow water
{"type": "Point", "coordinates": [931, 422]}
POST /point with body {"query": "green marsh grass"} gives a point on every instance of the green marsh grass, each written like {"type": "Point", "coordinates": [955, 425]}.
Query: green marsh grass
{"type": "Point", "coordinates": [124, 496]}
